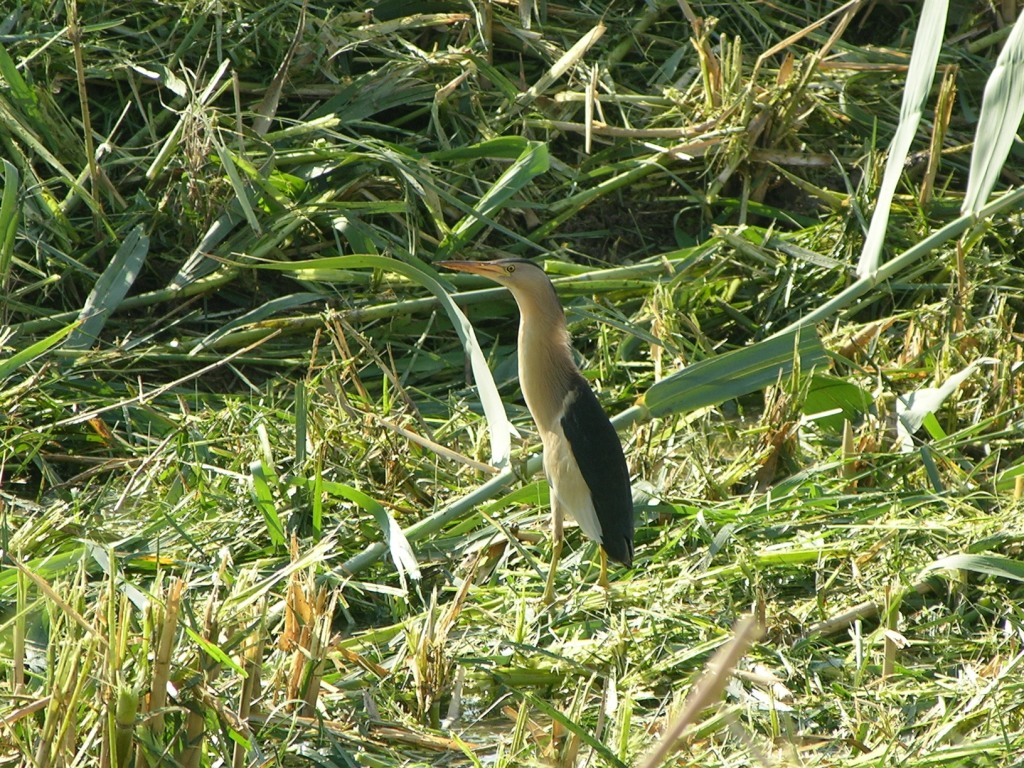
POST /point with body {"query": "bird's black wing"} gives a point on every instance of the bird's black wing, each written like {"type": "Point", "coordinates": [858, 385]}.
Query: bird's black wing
{"type": "Point", "coordinates": [598, 452]}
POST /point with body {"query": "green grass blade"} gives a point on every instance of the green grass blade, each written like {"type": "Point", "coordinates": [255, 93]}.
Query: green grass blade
{"type": "Point", "coordinates": [29, 353]}
{"type": "Point", "coordinates": [832, 400]}
{"type": "Point", "coordinates": [991, 565]}
{"type": "Point", "coordinates": [735, 373]}
{"type": "Point", "coordinates": [574, 727]}
{"type": "Point", "coordinates": [401, 551]}
{"type": "Point", "coordinates": [21, 93]}
{"type": "Point", "coordinates": [14, 123]}
{"type": "Point", "coordinates": [110, 289]}
{"type": "Point", "coordinates": [273, 307]}
{"type": "Point", "coordinates": [369, 94]}
{"type": "Point", "coordinates": [1001, 110]}
{"type": "Point", "coordinates": [213, 650]}
{"type": "Point", "coordinates": [908, 258]}
{"type": "Point", "coordinates": [301, 409]}
{"type": "Point", "coordinates": [927, 44]}
{"type": "Point", "coordinates": [264, 498]}
{"type": "Point", "coordinates": [507, 147]}
{"type": "Point", "coordinates": [199, 264]}
{"type": "Point", "coordinates": [9, 218]}
{"type": "Point", "coordinates": [532, 162]}
{"type": "Point", "coordinates": [445, 515]}
{"type": "Point", "coordinates": [241, 189]}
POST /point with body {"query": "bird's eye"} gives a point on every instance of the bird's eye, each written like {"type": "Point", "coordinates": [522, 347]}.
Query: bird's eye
{"type": "Point", "coordinates": [510, 268]}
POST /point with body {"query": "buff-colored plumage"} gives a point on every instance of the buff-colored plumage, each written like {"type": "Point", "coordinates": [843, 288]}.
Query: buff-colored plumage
{"type": "Point", "coordinates": [583, 458]}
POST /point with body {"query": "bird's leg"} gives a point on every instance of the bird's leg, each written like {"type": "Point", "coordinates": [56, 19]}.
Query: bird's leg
{"type": "Point", "coordinates": [556, 552]}
{"type": "Point", "coordinates": [602, 580]}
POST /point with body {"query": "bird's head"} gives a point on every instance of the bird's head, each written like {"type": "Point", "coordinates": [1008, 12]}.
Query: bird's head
{"type": "Point", "coordinates": [511, 273]}
{"type": "Point", "coordinates": [530, 287]}
{"type": "Point", "coordinates": [524, 278]}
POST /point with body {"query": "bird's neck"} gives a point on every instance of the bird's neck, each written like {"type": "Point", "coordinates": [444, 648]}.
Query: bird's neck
{"type": "Point", "coordinates": [546, 365]}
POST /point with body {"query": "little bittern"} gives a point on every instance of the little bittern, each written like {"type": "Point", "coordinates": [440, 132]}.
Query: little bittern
{"type": "Point", "coordinates": [583, 457]}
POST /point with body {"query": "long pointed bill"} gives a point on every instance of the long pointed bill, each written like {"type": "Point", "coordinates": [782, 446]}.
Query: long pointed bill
{"type": "Point", "coordinates": [483, 268]}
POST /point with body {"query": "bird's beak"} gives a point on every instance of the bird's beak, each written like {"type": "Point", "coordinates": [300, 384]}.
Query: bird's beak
{"type": "Point", "coordinates": [483, 268]}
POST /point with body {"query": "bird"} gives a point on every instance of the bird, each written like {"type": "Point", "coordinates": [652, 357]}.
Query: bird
{"type": "Point", "coordinates": [583, 459]}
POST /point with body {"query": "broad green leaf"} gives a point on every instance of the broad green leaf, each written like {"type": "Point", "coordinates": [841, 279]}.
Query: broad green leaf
{"type": "Point", "coordinates": [110, 289]}
{"type": "Point", "coordinates": [52, 565]}
{"type": "Point", "coordinates": [1001, 109]}
{"type": "Point", "coordinates": [502, 147]}
{"type": "Point", "coordinates": [992, 565]}
{"type": "Point", "coordinates": [914, 408]}
{"type": "Point", "coordinates": [532, 162]}
{"type": "Point", "coordinates": [214, 651]}
{"type": "Point", "coordinates": [931, 469]}
{"type": "Point", "coordinates": [844, 398]}
{"type": "Point", "coordinates": [927, 44]}
{"type": "Point", "coordinates": [23, 356]}
{"type": "Point", "coordinates": [1008, 478]}
{"type": "Point", "coordinates": [401, 551]}
{"type": "Point", "coordinates": [534, 494]}
{"type": "Point", "coordinates": [732, 374]}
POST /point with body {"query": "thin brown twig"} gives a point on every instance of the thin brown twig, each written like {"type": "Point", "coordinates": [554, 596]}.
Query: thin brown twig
{"type": "Point", "coordinates": [707, 689]}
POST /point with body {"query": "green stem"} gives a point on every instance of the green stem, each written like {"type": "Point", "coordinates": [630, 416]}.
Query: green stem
{"type": "Point", "coordinates": [906, 259]}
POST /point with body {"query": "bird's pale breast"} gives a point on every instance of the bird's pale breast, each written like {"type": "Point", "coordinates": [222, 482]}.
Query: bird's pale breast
{"type": "Point", "coordinates": [568, 487]}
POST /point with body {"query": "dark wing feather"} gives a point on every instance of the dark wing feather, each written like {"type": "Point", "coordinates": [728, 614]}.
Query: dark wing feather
{"type": "Point", "coordinates": [598, 452]}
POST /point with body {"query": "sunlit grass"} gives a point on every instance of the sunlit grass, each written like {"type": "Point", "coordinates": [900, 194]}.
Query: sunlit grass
{"type": "Point", "coordinates": [247, 512]}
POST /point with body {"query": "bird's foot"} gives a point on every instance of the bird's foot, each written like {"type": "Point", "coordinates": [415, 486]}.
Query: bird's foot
{"type": "Point", "coordinates": [602, 580]}
{"type": "Point", "coordinates": [549, 586]}
{"type": "Point", "coordinates": [548, 598]}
